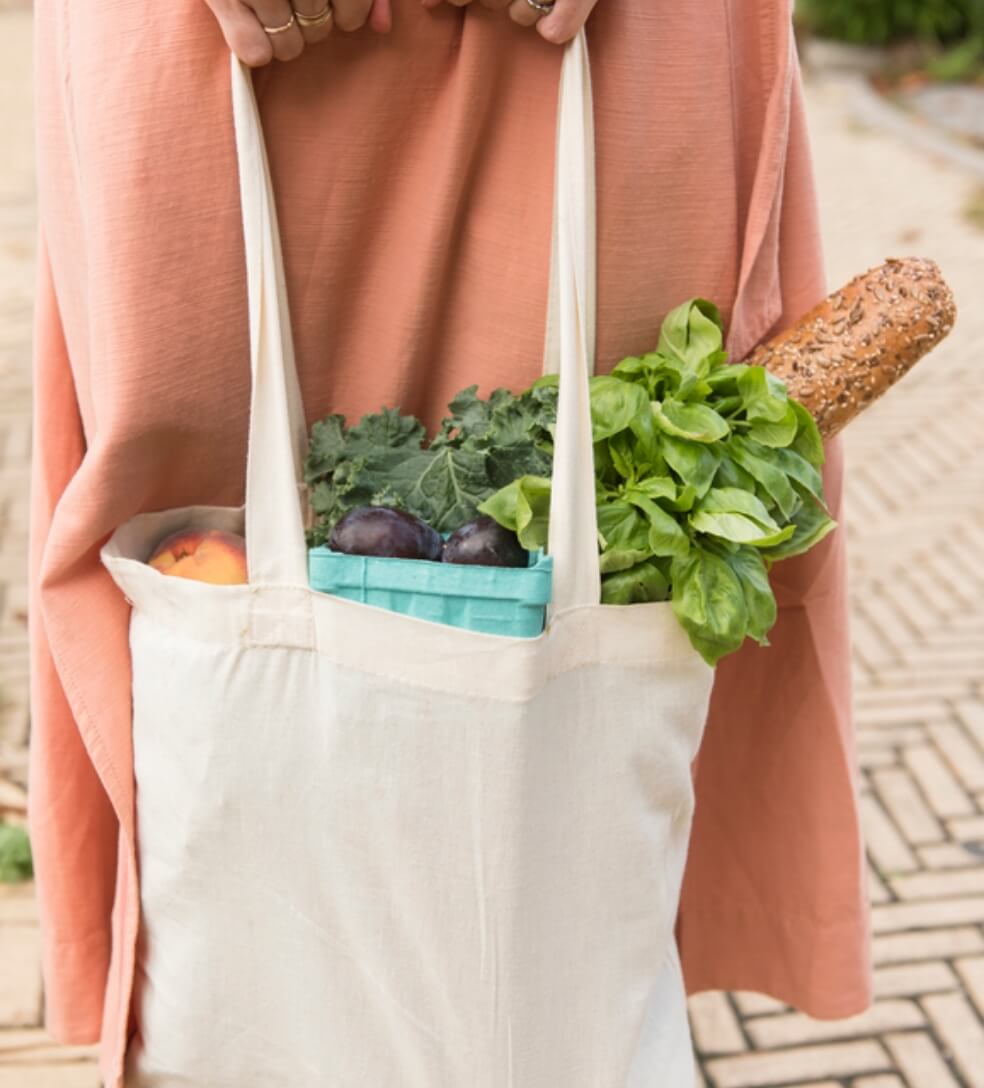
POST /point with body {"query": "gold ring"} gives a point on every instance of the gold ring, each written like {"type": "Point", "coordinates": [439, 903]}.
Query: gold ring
{"type": "Point", "coordinates": [281, 29]}
{"type": "Point", "coordinates": [312, 22]}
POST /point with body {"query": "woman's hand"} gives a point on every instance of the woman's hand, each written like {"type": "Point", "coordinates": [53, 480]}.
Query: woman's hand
{"type": "Point", "coordinates": [259, 31]}
{"type": "Point", "coordinates": [559, 25]}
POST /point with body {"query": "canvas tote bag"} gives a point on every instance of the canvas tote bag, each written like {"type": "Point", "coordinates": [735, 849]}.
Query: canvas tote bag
{"type": "Point", "coordinates": [379, 852]}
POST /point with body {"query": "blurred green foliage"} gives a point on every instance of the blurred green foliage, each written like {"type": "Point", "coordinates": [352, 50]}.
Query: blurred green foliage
{"type": "Point", "coordinates": [15, 854]}
{"type": "Point", "coordinates": [879, 22]}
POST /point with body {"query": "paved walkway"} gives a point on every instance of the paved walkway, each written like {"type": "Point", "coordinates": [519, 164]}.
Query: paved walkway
{"type": "Point", "coordinates": [916, 499]}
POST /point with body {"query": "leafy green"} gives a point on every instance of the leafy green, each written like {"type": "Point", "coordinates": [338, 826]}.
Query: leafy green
{"type": "Point", "coordinates": [524, 507]}
{"type": "Point", "coordinates": [696, 422]}
{"type": "Point", "coordinates": [692, 332]}
{"type": "Point", "coordinates": [638, 585]}
{"type": "Point", "coordinates": [807, 443]}
{"type": "Point", "coordinates": [707, 472]}
{"type": "Point", "coordinates": [15, 855]}
{"type": "Point", "coordinates": [760, 604]}
{"type": "Point", "coordinates": [762, 394]}
{"type": "Point", "coordinates": [696, 463]}
{"type": "Point", "coordinates": [482, 446]}
{"type": "Point", "coordinates": [709, 602]}
{"type": "Point", "coordinates": [811, 523]}
{"type": "Point", "coordinates": [615, 405]}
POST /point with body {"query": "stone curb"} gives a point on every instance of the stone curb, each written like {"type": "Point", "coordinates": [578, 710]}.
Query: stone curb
{"type": "Point", "coordinates": [870, 108]}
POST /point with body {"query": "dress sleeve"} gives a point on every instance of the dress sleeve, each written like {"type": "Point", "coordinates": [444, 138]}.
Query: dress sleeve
{"type": "Point", "coordinates": [72, 825]}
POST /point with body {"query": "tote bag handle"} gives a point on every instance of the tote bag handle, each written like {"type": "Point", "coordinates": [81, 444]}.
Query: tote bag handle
{"type": "Point", "coordinates": [277, 432]}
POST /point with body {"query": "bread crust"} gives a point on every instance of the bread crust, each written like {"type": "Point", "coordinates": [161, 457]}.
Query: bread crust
{"type": "Point", "coordinates": [856, 344]}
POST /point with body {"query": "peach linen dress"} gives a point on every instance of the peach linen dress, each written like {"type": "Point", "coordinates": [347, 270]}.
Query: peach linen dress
{"type": "Point", "coordinates": [413, 175]}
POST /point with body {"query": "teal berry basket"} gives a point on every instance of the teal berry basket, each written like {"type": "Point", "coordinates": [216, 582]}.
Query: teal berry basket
{"type": "Point", "coordinates": [510, 601]}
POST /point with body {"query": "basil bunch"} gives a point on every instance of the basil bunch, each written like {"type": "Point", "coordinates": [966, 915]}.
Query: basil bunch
{"type": "Point", "coordinates": [706, 472]}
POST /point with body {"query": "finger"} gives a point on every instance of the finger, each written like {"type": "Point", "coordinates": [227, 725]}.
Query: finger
{"type": "Point", "coordinates": [242, 33]}
{"type": "Point", "coordinates": [351, 14]}
{"type": "Point", "coordinates": [286, 44]}
{"type": "Point", "coordinates": [495, 5]}
{"type": "Point", "coordinates": [381, 17]}
{"type": "Point", "coordinates": [522, 12]}
{"type": "Point", "coordinates": [565, 21]}
{"type": "Point", "coordinates": [319, 10]}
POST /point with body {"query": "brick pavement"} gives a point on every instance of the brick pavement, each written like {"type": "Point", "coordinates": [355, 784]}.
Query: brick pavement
{"type": "Point", "coordinates": [915, 519]}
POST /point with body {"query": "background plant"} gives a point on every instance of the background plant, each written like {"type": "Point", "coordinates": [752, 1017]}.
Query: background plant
{"type": "Point", "coordinates": [15, 854]}
{"type": "Point", "coordinates": [880, 22]}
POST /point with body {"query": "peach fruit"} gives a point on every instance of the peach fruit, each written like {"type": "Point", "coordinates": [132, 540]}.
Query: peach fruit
{"type": "Point", "coordinates": [206, 555]}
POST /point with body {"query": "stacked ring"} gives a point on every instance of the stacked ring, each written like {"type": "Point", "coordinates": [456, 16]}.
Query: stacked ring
{"type": "Point", "coordinates": [312, 22]}
{"type": "Point", "coordinates": [544, 7]}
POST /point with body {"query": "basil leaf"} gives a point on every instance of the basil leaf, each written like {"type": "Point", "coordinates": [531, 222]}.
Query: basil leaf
{"type": "Point", "coordinates": [615, 560]}
{"type": "Point", "coordinates": [645, 371]}
{"type": "Point", "coordinates": [694, 462]}
{"type": "Point", "coordinates": [524, 507]}
{"type": "Point", "coordinates": [686, 497]}
{"type": "Point", "coordinates": [773, 479]}
{"type": "Point", "coordinates": [622, 525]}
{"type": "Point", "coordinates": [732, 500]}
{"type": "Point", "coordinates": [730, 474]}
{"type": "Point", "coordinates": [654, 487]}
{"type": "Point", "coordinates": [799, 469]}
{"type": "Point", "coordinates": [632, 368]}
{"type": "Point", "coordinates": [760, 601]}
{"type": "Point", "coordinates": [738, 528]}
{"type": "Point", "coordinates": [615, 404]}
{"type": "Point", "coordinates": [776, 434]}
{"type": "Point", "coordinates": [640, 584]}
{"type": "Point", "coordinates": [684, 380]}
{"type": "Point", "coordinates": [620, 449]}
{"type": "Point", "coordinates": [808, 442]}
{"type": "Point", "coordinates": [666, 537]}
{"type": "Point", "coordinates": [692, 331]}
{"type": "Point", "coordinates": [709, 602]}
{"type": "Point", "coordinates": [646, 435]}
{"type": "Point", "coordinates": [606, 475]}
{"type": "Point", "coordinates": [811, 523]}
{"type": "Point", "coordinates": [763, 395]}
{"type": "Point", "coordinates": [729, 407]}
{"type": "Point", "coordinates": [695, 422]}
{"type": "Point", "coordinates": [723, 380]}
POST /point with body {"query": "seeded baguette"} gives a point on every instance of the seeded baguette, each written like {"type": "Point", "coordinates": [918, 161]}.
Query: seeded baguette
{"type": "Point", "coordinates": [856, 344]}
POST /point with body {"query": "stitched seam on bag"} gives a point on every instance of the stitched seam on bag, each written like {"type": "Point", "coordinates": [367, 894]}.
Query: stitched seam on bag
{"type": "Point", "coordinates": [499, 697]}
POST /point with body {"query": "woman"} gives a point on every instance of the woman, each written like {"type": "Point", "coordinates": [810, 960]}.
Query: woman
{"type": "Point", "coordinates": [412, 161]}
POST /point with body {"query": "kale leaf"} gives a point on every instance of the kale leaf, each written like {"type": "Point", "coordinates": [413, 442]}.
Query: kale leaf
{"type": "Point", "coordinates": [384, 459]}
